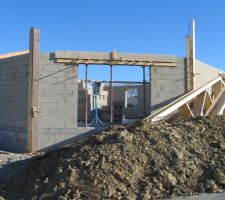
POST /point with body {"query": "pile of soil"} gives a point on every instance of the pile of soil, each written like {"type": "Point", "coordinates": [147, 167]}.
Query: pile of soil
{"type": "Point", "coordinates": [144, 161]}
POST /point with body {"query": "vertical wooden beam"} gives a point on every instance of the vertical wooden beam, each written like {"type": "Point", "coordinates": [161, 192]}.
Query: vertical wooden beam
{"type": "Point", "coordinates": [34, 47]}
{"type": "Point", "coordinates": [193, 54]}
{"type": "Point", "coordinates": [190, 40]}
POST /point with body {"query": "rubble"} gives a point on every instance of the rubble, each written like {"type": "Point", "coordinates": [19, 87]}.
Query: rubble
{"type": "Point", "coordinates": [143, 161]}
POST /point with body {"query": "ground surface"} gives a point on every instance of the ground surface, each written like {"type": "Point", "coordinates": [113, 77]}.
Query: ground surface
{"type": "Point", "coordinates": [144, 161]}
{"type": "Point", "coordinates": [10, 162]}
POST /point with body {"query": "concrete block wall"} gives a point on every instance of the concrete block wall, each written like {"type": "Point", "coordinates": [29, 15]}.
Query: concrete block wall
{"type": "Point", "coordinates": [57, 101]}
{"type": "Point", "coordinates": [13, 103]}
{"type": "Point", "coordinates": [167, 83]}
{"type": "Point", "coordinates": [205, 73]}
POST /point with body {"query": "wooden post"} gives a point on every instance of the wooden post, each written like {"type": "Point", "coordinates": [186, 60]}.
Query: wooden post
{"type": "Point", "coordinates": [191, 60]}
{"type": "Point", "coordinates": [34, 47]}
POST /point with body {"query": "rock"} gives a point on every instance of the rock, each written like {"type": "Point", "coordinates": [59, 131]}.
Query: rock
{"type": "Point", "coordinates": [181, 178]}
{"type": "Point", "coordinates": [176, 191]}
{"type": "Point", "coordinates": [36, 186]}
{"type": "Point", "coordinates": [169, 180]}
{"type": "Point", "coordinates": [77, 194]}
{"type": "Point", "coordinates": [61, 198]}
{"type": "Point", "coordinates": [211, 186]}
{"type": "Point", "coordinates": [155, 192]}
{"type": "Point", "coordinates": [111, 191]}
{"type": "Point", "coordinates": [59, 170]}
{"type": "Point", "coordinates": [62, 185]}
{"type": "Point", "coordinates": [200, 188]}
{"type": "Point", "coordinates": [124, 136]}
{"type": "Point", "coordinates": [46, 180]}
{"type": "Point", "coordinates": [87, 163]}
{"type": "Point", "coordinates": [100, 138]}
{"type": "Point", "coordinates": [146, 196]}
{"type": "Point", "coordinates": [55, 189]}
{"type": "Point", "coordinates": [222, 145]}
{"type": "Point", "coordinates": [159, 186]}
{"type": "Point", "coordinates": [128, 198]}
{"type": "Point", "coordinates": [219, 176]}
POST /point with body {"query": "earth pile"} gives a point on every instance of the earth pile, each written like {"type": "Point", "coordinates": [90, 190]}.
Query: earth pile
{"type": "Point", "coordinates": [143, 161]}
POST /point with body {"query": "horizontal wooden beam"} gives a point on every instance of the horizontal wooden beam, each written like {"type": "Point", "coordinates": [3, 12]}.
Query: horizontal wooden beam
{"type": "Point", "coordinates": [114, 58]}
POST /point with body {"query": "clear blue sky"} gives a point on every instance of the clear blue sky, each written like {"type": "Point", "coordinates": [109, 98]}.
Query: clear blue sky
{"type": "Point", "coordinates": [140, 26]}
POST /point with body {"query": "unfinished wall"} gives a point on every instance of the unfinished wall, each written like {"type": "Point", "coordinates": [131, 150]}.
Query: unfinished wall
{"type": "Point", "coordinates": [167, 83]}
{"type": "Point", "coordinates": [57, 101]}
{"type": "Point", "coordinates": [13, 103]}
{"type": "Point", "coordinates": [205, 73]}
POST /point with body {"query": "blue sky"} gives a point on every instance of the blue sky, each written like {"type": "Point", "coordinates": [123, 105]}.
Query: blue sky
{"type": "Point", "coordinates": [140, 26]}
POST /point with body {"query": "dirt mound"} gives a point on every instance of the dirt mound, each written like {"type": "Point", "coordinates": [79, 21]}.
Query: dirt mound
{"type": "Point", "coordinates": [145, 161]}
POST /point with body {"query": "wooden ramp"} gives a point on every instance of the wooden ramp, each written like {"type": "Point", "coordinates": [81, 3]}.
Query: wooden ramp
{"type": "Point", "coordinates": [206, 100]}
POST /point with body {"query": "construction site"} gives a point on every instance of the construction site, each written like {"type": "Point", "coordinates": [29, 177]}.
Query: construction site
{"type": "Point", "coordinates": [76, 138]}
